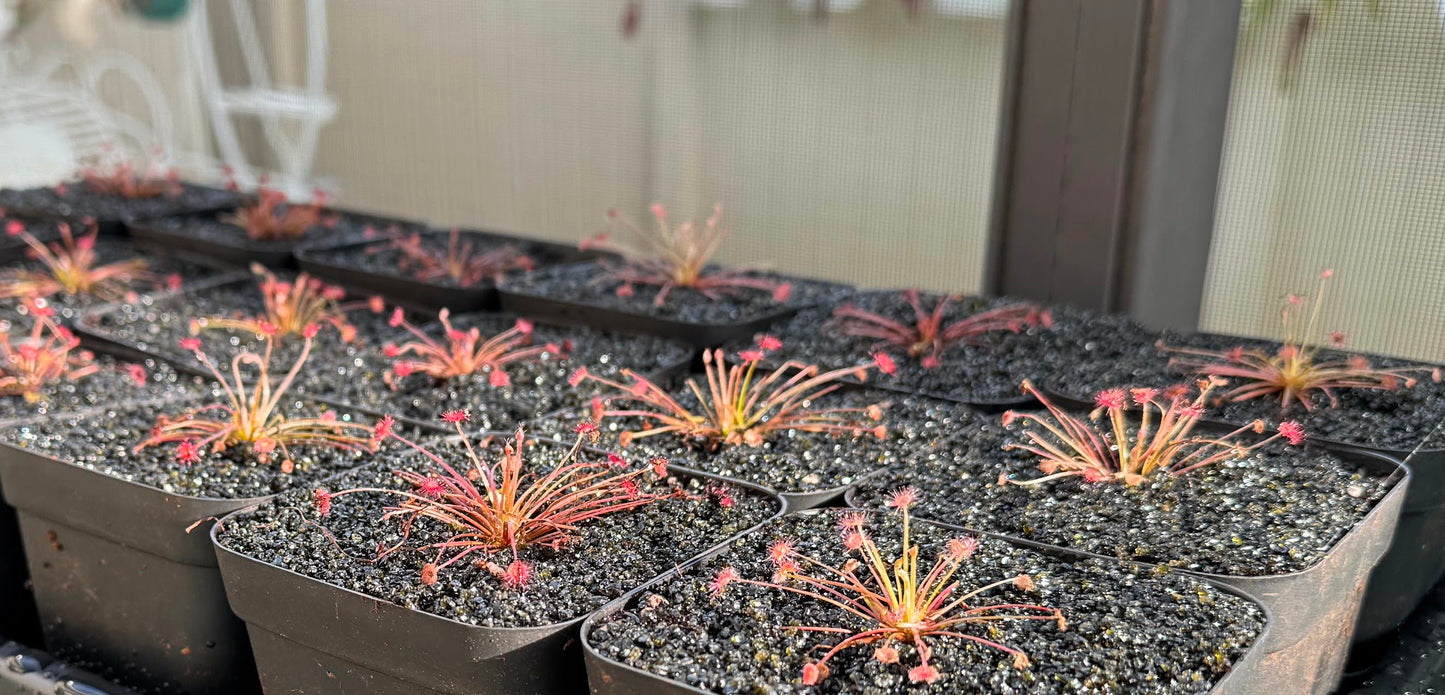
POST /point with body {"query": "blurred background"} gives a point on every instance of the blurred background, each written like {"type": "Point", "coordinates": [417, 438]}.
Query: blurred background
{"type": "Point", "coordinates": [873, 141]}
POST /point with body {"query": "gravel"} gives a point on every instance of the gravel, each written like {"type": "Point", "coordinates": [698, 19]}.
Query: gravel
{"type": "Point", "coordinates": [611, 554]}
{"type": "Point", "coordinates": [1128, 631]}
{"type": "Point", "coordinates": [79, 201]}
{"type": "Point", "coordinates": [383, 259]}
{"type": "Point", "coordinates": [1280, 509]}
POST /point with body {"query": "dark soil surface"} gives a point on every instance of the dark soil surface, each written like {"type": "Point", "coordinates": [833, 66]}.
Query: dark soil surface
{"type": "Point", "coordinates": [158, 324]}
{"type": "Point", "coordinates": [1397, 420]}
{"type": "Point", "coordinates": [986, 372]}
{"type": "Point", "coordinates": [354, 371]}
{"type": "Point", "coordinates": [588, 284]}
{"type": "Point", "coordinates": [79, 201]}
{"type": "Point", "coordinates": [1278, 510]}
{"type": "Point", "coordinates": [104, 441]}
{"type": "Point", "coordinates": [211, 228]}
{"type": "Point", "coordinates": [538, 386]}
{"type": "Point", "coordinates": [611, 555]}
{"type": "Point", "coordinates": [113, 384]}
{"type": "Point", "coordinates": [13, 248]}
{"type": "Point", "coordinates": [800, 462]}
{"type": "Point", "coordinates": [1128, 631]}
{"type": "Point", "coordinates": [382, 258]}
{"type": "Point", "coordinates": [108, 250]}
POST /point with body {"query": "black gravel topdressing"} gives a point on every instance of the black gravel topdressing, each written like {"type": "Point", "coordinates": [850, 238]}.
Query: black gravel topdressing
{"type": "Point", "coordinates": [1397, 420]}
{"type": "Point", "coordinates": [103, 440]}
{"type": "Point", "coordinates": [158, 324]}
{"type": "Point", "coordinates": [108, 250]}
{"type": "Point", "coordinates": [985, 372]}
{"type": "Point", "coordinates": [588, 284]}
{"type": "Point", "coordinates": [382, 258]}
{"type": "Point", "coordinates": [611, 554]}
{"type": "Point", "coordinates": [1129, 631]}
{"type": "Point", "coordinates": [348, 227]}
{"type": "Point", "coordinates": [113, 384]}
{"type": "Point", "coordinates": [80, 201]}
{"type": "Point", "coordinates": [1278, 510]}
{"type": "Point", "coordinates": [538, 386]}
{"type": "Point", "coordinates": [801, 462]}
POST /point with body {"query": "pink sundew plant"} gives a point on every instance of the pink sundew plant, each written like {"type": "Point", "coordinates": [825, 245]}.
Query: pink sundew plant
{"type": "Point", "coordinates": [118, 177]}
{"type": "Point", "coordinates": [1146, 431]}
{"type": "Point", "coordinates": [896, 601]}
{"type": "Point", "coordinates": [461, 262]}
{"type": "Point", "coordinates": [460, 353]}
{"type": "Point", "coordinates": [668, 258]}
{"type": "Point", "coordinates": [253, 415]}
{"type": "Point", "coordinates": [740, 405]}
{"type": "Point", "coordinates": [290, 307]}
{"type": "Point", "coordinates": [272, 217]}
{"type": "Point", "coordinates": [1296, 372]}
{"type": "Point", "coordinates": [927, 336]}
{"type": "Point", "coordinates": [500, 507]}
{"type": "Point", "coordinates": [48, 354]}
{"type": "Point", "coordinates": [73, 268]}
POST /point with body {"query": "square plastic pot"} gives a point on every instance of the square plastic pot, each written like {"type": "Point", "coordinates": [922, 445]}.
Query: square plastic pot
{"type": "Point", "coordinates": [416, 294]}
{"type": "Point", "coordinates": [608, 677]}
{"type": "Point", "coordinates": [117, 225]}
{"type": "Point", "coordinates": [701, 335]}
{"type": "Point", "coordinates": [18, 619]}
{"type": "Point", "coordinates": [1315, 609]}
{"type": "Point", "coordinates": [241, 252]}
{"type": "Point", "coordinates": [318, 638]}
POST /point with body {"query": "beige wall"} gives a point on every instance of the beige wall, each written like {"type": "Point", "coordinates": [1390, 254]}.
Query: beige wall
{"type": "Point", "coordinates": [1346, 169]}
{"type": "Point", "coordinates": [858, 148]}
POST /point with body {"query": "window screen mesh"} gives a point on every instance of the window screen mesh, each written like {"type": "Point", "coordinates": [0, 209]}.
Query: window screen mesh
{"type": "Point", "coordinates": [1335, 158]}
{"type": "Point", "coordinates": [857, 145]}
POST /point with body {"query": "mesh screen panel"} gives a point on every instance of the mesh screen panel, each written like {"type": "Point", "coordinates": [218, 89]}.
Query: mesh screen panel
{"type": "Point", "coordinates": [857, 145]}
{"type": "Point", "coordinates": [1335, 158]}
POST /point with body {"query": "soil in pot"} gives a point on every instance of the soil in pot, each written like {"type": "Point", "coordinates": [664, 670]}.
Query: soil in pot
{"type": "Point", "coordinates": [77, 200]}
{"type": "Point", "coordinates": [590, 284]}
{"type": "Point", "coordinates": [1127, 630]}
{"type": "Point", "coordinates": [1278, 509]}
{"type": "Point", "coordinates": [609, 556]}
{"type": "Point", "coordinates": [534, 387]}
{"type": "Point", "coordinates": [797, 462]}
{"type": "Point", "coordinates": [218, 231]}
{"type": "Point", "coordinates": [387, 258]}
{"type": "Point", "coordinates": [1399, 419]}
{"type": "Point", "coordinates": [165, 272]}
{"type": "Point", "coordinates": [986, 369]}
{"type": "Point", "coordinates": [116, 381]}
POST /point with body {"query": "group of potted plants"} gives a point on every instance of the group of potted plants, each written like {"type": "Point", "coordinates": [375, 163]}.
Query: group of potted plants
{"type": "Point", "coordinates": [447, 461]}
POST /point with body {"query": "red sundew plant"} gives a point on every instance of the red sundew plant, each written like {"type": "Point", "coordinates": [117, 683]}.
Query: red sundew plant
{"type": "Point", "coordinates": [1296, 372]}
{"type": "Point", "coordinates": [72, 268]}
{"type": "Point", "coordinates": [461, 352]}
{"type": "Point", "coordinates": [461, 262]}
{"type": "Point", "coordinates": [897, 602]}
{"type": "Point", "coordinates": [498, 507]}
{"type": "Point", "coordinates": [1129, 449]}
{"type": "Point", "coordinates": [253, 415]}
{"type": "Point", "coordinates": [47, 354]}
{"type": "Point", "coordinates": [290, 307]}
{"type": "Point", "coordinates": [118, 177]}
{"type": "Point", "coordinates": [672, 258]}
{"type": "Point", "coordinates": [273, 218]}
{"type": "Point", "coordinates": [927, 337]}
{"type": "Point", "coordinates": [740, 405]}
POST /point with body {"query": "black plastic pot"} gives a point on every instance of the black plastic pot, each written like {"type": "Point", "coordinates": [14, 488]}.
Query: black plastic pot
{"type": "Point", "coordinates": [96, 337]}
{"type": "Point", "coordinates": [701, 335]}
{"type": "Point", "coordinates": [420, 295]}
{"type": "Point", "coordinates": [1315, 609]}
{"type": "Point", "coordinates": [241, 252]}
{"type": "Point", "coordinates": [116, 225]}
{"type": "Point", "coordinates": [18, 619]}
{"type": "Point", "coordinates": [1415, 561]}
{"type": "Point", "coordinates": [121, 587]}
{"type": "Point", "coordinates": [313, 637]}
{"type": "Point", "coordinates": [608, 677]}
